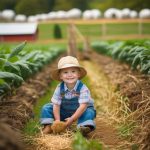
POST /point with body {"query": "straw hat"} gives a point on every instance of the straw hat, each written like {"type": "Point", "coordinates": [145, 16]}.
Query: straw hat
{"type": "Point", "coordinates": [66, 62]}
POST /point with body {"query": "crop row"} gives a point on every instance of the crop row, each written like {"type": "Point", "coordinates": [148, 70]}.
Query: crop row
{"type": "Point", "coordinates": [135, 53]}
{"type": "Point", "coordinates": [17, 65]}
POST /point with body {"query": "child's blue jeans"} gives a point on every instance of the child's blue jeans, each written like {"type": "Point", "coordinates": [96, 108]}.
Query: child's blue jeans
{"type": "Point", "coordinates": [87, 118]}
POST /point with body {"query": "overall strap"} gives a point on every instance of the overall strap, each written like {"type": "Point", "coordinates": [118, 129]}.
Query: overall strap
{"type": "Point", "coordinates": [62, 89]}
{"type": "Point", "coordinates": [79, 88]}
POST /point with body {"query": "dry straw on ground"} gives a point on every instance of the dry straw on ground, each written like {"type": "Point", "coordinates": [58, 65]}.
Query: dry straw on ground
{"type": "Point", "coordinates": [54, 141]}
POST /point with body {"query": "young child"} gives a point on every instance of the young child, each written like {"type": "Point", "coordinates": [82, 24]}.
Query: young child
{"type": "Point", "coordinates": [71, 100]}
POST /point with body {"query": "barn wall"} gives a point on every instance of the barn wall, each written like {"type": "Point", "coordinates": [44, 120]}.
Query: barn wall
{"type": "Point", "coordinates": [9, 38]}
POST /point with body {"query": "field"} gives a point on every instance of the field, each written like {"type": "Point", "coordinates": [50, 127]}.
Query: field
{"type": "Point", "coordinates": [118, 78]}
{"type": "Point", "coordinates": [99, 29]}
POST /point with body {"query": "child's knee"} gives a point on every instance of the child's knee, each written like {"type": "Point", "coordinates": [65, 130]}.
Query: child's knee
{"type": "Point", "coordinates": [90, 113]}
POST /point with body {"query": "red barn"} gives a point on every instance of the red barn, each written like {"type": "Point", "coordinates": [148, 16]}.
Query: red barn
{"type": "Point", "coordinates": [18, 32]}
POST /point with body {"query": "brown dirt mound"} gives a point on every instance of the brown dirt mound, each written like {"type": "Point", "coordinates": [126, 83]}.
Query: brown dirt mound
{"type": "Point", "coordinates": [9, 139]}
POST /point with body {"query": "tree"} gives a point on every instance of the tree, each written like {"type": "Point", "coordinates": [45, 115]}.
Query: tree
{"type": "Point", "coordinates": [57, 32]}
{"type": "Point", "coordinates": [63, 5]}
{"type": "Point", "coordinates": [67, 5]}
{"type": "Point", "coordinates": [81, 4]}
{"type": "Point", "coordinates": [105, 4]}
{"type": "Point", "coordinates": [8, 4]}
{"type": "Point", "coordinates": [33, 7]}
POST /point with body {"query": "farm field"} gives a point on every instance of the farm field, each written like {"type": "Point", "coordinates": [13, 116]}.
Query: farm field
{"type": "Point", "coordinates": [120, 88]}
{"type": "Point", "coordinates": [111, 131]}
{"type": "Point", "coordinates": [99, 29]}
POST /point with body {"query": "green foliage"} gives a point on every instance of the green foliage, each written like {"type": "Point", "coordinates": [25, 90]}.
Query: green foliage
{"type": "Point", "coordinates": [63, 5]}
{"type": "Point", "coordinates": [135, 53]}
{"type": "Point", "coordinates": [43, 6]}
{"type": "Point", "coordinates": [33, 7]}
{"type": "Point", "coordinates": [105, 4]}
{"type": "Point", "coordinates": [126, 129]}
{"type": "Point", "coordinates": [80, 143]}
{"type": "Point", "coordinates": [81, 5]}
{"type": "Point", "coordinates": [16, 50]}
{"type": "Point", "coordinates": [11, 78]}
{"type": "Point", "coordinates": [135, 147]}
{"type": "Point", "coordinates": [17, 65]}
{"type": "Point", "coordinates": [67, 5]}
{"type": "Point", "coordinates": [8, 4]}
{"type": "Point", "coordinates": [57, 32]}
{"type": "Point", "coordinates": [101, 47]}
{"type": "Point", "coordinates": [4, 87]}
{"type": "Point", "coordinates": [32, 127]}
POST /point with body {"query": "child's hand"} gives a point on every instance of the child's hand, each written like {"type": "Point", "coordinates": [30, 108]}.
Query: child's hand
{"type": "Point", "coordinates": [69, 121]}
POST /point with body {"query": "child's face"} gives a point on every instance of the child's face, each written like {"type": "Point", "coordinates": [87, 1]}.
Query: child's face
{"type": "Point", "coordinates": [70, 75]}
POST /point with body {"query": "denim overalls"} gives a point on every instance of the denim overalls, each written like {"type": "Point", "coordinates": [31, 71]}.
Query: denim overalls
{"type": "Point", "coordinates": [68, 108]}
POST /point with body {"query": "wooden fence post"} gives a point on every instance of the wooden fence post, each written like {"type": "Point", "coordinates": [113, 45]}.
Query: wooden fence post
{"type": "Point", "coordinates": [72, 49]}
{"type": "Point", "coordinates": [104, 29]}
{"type": "Point", "coordinates": [140, 27]}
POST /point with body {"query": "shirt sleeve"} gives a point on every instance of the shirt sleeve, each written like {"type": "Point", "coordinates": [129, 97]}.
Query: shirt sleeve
{"type": "Point", "coordinates": [85, 95]}
{"type": "Point", "coordinates": [56, 98]}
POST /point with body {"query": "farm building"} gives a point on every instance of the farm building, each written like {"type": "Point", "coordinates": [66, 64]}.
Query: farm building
{"type": "Point", "coordinates": [18, 31]}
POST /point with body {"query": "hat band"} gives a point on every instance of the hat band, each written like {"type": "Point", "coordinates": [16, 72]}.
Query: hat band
{"type": "Point", "coordinates": [68, 65]}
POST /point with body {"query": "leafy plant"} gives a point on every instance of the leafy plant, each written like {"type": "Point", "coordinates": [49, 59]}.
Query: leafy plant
{"type": "Point", "coordinates": [135, 53]}
{"type": "Point", "coordinates": [80, 143]}
{"type": "Point", "coordinates": [17, 65]}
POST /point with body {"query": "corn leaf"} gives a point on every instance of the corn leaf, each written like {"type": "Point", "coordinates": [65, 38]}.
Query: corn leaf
{"type": "Point", "coordinates": [13, 59]}
{"type": "Point", "coordinates": [24, 69]}
{"type": "Point", "coordinates": [34, 67]}
{"type": "Point", "coordinates": [11, 67]}
{"type": "Point", "coordinates": [11, 78]}
{"type": "Point", "coordinates": [29, 57]}
{"type": "Point", "coordinates": [2, 63]}
{"type": "Point", "coordinates": [4, 87]}
{"type": "Point", "coordinates": [17, 49]}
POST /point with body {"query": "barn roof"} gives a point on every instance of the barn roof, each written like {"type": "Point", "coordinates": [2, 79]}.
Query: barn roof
{"type": "Point", "coordinates": [17, 28]}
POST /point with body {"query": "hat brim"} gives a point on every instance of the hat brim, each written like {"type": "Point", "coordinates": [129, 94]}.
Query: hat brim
{"type": "Point", "coordinates": [55, 73]}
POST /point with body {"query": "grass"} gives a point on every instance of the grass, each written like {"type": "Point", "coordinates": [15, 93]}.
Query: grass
{"type": "Point", "coordinates": [94, 30]}
{"type": "Point", "coordinates": [46, 31]}
{"type": "Point", "coordinates": [127, 129]}
{"type": "Point", "coordinates": [32, 127]}
{"type": "Point", "coordinates": [32, 46]}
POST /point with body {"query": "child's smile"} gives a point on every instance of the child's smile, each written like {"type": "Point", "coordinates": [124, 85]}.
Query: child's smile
{"type": "Point", "coordinates": [70, 76]}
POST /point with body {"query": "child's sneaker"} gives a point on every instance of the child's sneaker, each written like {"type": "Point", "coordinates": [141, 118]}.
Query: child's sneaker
{"type": "Point", "coordinates": [85, 130]}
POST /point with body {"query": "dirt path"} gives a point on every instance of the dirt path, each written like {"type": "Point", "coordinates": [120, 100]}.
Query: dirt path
{"type": "Point", "coordinates": [102, 92]}
{"type": "Point", "coordinates": [130, 103]}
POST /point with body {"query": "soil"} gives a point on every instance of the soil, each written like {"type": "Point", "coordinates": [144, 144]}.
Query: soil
{"type": "Point", "coordinates": [16, 109]}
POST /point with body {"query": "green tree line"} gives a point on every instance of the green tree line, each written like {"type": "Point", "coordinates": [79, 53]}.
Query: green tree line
{"type": "Point", "coordinates": [33, 7]}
